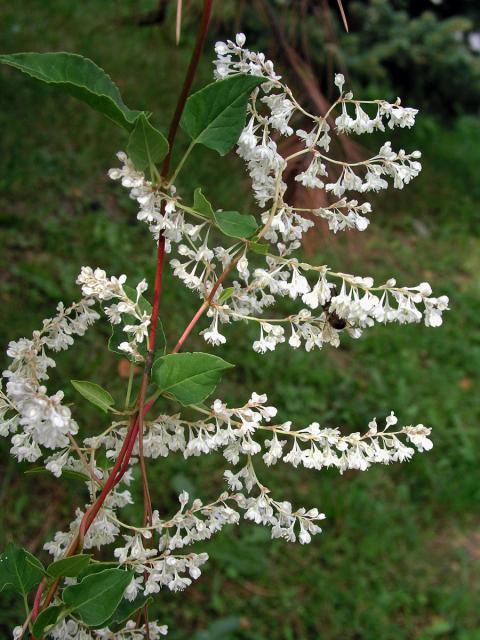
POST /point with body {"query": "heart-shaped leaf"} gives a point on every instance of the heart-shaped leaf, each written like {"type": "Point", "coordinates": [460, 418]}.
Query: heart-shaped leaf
{"type": "Point", "coordinates": [78, 76]}
{"type": "Point", "coordinates": [97, 596]}
{"type": "Point", "coordinates": [146, 145]}
{"type": "Point", "coordinates": [96, 567]}
{"type": "Point", "coordinates": [19, 570]}
{"type": "Point", "coordinates": [201, 204]}
{"type": "Point", "coordinates": [189, 377]}
{"type": "Point", "coordinates": [94, 393]}
{"type": "Point", "coordinates": [215, 115]}
{"type": "Point", "coordinates": [70, 567]}
{"type": "Point", "coordinates": [45, 619]}
{"type": "Point", "coordinates": [235, 225]}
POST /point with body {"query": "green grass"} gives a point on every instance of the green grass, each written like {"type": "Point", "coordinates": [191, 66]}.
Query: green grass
{"type": "Point", "coordinates": [399, 557]}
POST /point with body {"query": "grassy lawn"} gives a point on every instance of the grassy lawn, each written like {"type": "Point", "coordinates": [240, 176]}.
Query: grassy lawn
{"type": "Point", "coordinates": [399, 558]}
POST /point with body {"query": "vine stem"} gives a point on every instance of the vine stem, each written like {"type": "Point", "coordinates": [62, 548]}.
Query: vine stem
{"type": "Point", "coordinates": [204, 305]}
{"type": "Point", "coordinates": [38, 597]}
{"type": "Point", "coordinates": [187, 85]}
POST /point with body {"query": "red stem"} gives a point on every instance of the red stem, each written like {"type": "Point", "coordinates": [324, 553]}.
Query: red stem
{"type": "Point", "coordinates": [187, 85]}
{"type": "Point", "coordinates": [190, 326]}
{"type": "Point", "coordinates": [38, 598]}
{"type": "Point", "coordinates": [204, 305]}
{"type": "Point", "coordinates": [117, 473]}
{"type": "Point", "coordinates": [157, 289]}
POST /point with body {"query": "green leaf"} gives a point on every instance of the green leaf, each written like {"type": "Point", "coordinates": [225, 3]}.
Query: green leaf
{"type": "Point", "coordinates": [19, 570]}
{"type": "Point", "coordinates": [126, 609]}
{"type": "Point", "coordinates": [96, 567]}
{"type": "Point", "coordinates": [235, 225]}
{"type": "Point", "coordinates": [189, 377]}
{"type": "Point", "coordinates": [78, 76]}
{"type": "Point", "coordinates": [94, 393]}
{"type": "Point", "coordinates": [262, 249]}
{"type": "Point", "coordinates": [46, 618]}
{"type": "Point", "coordinates": [201, 204]}
{"type": "Point", "coordinates": [70, 567]}
{"type": "Point", "coordinates": [225, 295]}
{"type": "Point", "coordinates": [66, 473]}
{"type": "Point", "coordinates": [215, 115]}
{"type": "Point", "coordinates": [146, 145]}
{"type": "Point", "coordinates": [96, 597]}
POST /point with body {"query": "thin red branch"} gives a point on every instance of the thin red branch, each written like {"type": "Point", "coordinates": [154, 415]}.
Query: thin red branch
{"type": "Point", "coordinates": [190, 326]}
{"type": "Point", "coordinates": [182, 99]}
{"type": "Point", "coordinates": [38, 598]}
{"type": "Point", "coordinates": [204, 305]}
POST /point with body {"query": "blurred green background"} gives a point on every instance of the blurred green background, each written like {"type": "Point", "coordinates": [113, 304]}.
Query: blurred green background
{"type": "Point", "coordinates": [400, 554]}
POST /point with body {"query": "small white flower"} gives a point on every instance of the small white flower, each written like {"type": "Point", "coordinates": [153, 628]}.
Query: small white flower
{"type": "Point", "coordinates": [339, 81]}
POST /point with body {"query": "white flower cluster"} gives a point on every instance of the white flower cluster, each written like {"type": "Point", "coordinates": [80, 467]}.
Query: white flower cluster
{"type": "Point", "coordinates": [358, 304]}
{"type": "Point", "coordinates": [345, 214]}
{"type": "Point", "coordinates": [237, 432]}
{"type": "Point", "coordinates": [266, 165]}
{"type": "Point", "coordinates": [70, 629]}
{"type": "Point", "coordinates": [169, 221]}
{"type": "Point", "coordinates": [42, 419]}
{"type": "Point", "coordinates": [393, 113]}
{"type": "Point", "coordinates": [241, 433]}
{"type": "Point", "coordinates": [103, 531]}
{"type": "Point", "coordinates": [97, 286]}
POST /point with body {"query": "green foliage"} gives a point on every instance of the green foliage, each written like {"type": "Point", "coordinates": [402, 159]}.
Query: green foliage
{"type": "Point", "coordinates": [201, 204]}
{"type": "Point", "coordinates": [189, 377]}
{"type": "Point", "coordinates": [19, 570]}
{"type": "Point", "coordinates": [70, 566]}
{"type": "Point", "coordinates": [235, 225]}
{"type": "Point", "coordinates": [96, 597]}
{"type": "Point", "coordinates": [146, 145]}
{"type": "Point", "coordinates": [215, 115]}
{"type": "Point", "coordinates": [46, 618]}
{"type": "Point", "coordinates": [226, 294]}
{"type": "Point", "coordinates": [126, 609]}
{"type": "Point", "coordinates": [94, 393]}
{"type": "Point", "coordinates": [258, 247]}
{"type": "Point", "coordinates": [78, 76]}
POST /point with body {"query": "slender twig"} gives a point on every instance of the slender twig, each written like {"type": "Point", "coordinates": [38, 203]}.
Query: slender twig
{"type": "Point", "coordinates": [131, 373]}
{"type": "Point", "coordinates": [187, 85]}
{"type": "Point", "coordinates": [204, 305]}
{"type": "Point", "coordinates": [342, 13]}
{"type": "Point", "coordinates": [178, 25]}
{"type": "Point", "coordinates": [84, 461]}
